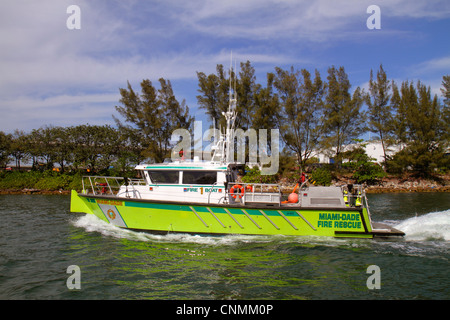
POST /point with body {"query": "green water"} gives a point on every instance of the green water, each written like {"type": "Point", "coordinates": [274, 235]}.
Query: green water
{"type": "Point", "coordinates": [40, 239]}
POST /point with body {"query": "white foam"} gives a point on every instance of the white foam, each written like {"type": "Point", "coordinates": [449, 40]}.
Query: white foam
{"type": "Point", "coordinates": [432, 226]}
{"type": "Point", "coordinates": [91, 223]}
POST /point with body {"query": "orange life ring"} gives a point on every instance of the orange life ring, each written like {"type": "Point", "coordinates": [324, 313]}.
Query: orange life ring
{"type": "Point", "coordinates": [111, 214]}
{"type": "Point", "coordinates": [240, 188]}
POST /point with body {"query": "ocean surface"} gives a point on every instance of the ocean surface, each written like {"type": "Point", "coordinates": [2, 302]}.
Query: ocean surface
{"type": "Point", "coordinates": [48, 253]}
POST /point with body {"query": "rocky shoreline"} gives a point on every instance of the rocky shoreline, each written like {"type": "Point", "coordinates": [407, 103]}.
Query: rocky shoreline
{"type": "Point", "coordinates": [391, 185]}
{"type": "Point", "coordinates": [388, 186]}
{"type": "Point", "coordinates": [34, 191]}
{"type": "Point", "coordinates": [409, 184]}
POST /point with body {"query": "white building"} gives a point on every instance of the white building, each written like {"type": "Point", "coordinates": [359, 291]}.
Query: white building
{"type": "Point", "coordinates": [373, 149]}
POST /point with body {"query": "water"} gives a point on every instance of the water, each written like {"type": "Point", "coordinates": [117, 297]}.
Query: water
{"type": "Point", "coordinates": [40, 239]}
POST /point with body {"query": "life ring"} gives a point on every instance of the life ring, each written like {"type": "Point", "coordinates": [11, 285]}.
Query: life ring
{"type": "Point", "coordinates": [240, 189]}
{"type": "Point", "coordinates": [111, 214]}
{"type": "Point", "coordinates": [237, 187]}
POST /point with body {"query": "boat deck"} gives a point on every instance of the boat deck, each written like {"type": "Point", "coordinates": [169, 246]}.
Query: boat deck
{"type": "Point", "coordinates": [383, 230]}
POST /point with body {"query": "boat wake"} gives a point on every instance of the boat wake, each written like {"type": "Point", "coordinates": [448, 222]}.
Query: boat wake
{"type": "Point", "coordinates": [431, 227]}
{"type": "Point", "coordinates": [90, 223]}
{"type": "Point", "coordinates": [434, 226]}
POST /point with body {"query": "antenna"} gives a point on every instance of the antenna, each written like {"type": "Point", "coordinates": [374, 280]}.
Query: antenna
{"type": "Point", "coordinates": [232, 97]}
{"type": "Point", "coordinates": [231, 73]}
{"type": "Point", "coordinates": [235, 92]}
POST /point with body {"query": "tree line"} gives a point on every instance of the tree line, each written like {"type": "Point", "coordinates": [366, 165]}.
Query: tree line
{"type": "Point", "coordinates": [84, 147]}
{"type": "Point", "coordinates": [311, 113]}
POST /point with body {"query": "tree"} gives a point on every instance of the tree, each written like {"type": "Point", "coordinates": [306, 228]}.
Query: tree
{"type": "Point", "coordinates": [446, 90]}
{"type": "Point", "coordinates": [43, 145]}
{"type": "Point", "coordinates": [446, 107]}
{"type": "Point", "coordinates": [343, 118]}
{"type": "Point", "coordinates": [129, 151]}
{"type": "Point", "coordinates": [155, 114]}
{"type": "Point", "coordinates": [380, 111]}
{"type": "Point", "coordinates": [266, 107]}
{"type": "Point", "coordinates": [5, 147]}
{"type": "Point", "coordinates": [174, 116]}
{"type": "Point", "coordinates": [421, 128]}
{"type": "Point", "coordinates": [19, 146]}
{"type": "Point", "coordinates": [214, 95]}
{"type": "Point", "coordinates": [246, 86]}
{"type": "Point", "coordinates": [363, 167]}
{"type": "Point", "coordinates": [63, 146]}
{"type": "Point", "coordinates": [302, 102]}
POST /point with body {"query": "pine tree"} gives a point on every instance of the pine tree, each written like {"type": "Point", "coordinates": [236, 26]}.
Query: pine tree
{"type": "Point", "coordinates": [446, 107]}
{"type": "Point", "coordinates": [446, 89]}
{"type": "Point", "coordinates": [380, 111]}
{"type": "Point", "coordinates": [155, 114]}
{"type": "Point", "coordinates": [266, 107]}
{"type": "Point", "coordinates": [214, 96]}
{"type": "Point", "coordinates": [343, 118]}
{"type": "Point", "coordinates": [302, 102]}
{"type": "Point", "coordinates": [421, 129]}
{"type": "Point", "coordinates": [246, 86]}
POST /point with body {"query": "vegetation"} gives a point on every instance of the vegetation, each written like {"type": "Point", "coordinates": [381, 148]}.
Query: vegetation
{"type": "Point", "coordinates": [381, 119]}
{"type": "Point", "coordinates": [301, 100]}
{"type": "Point", "coordinates": [362, 166]}
{"type": "Point", "coordinates": [343, 119]}
{"type": "Point", "coordinates": [253, 175]}
{"type": "Point", "coordinates": [48, 180]}
{"type": "Point", "coordinates": [155, 114]}
{"type": "Point", "coordinates": [321, 177]}
{"type": "Point", "coordinates": [311, 113]}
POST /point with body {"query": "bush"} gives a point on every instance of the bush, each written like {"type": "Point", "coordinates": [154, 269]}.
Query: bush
{"type": "Point", "coordinates": [364, 170]}
{"type": "Point", "coordinates": [369, 172]}
{"type": "Point", "coordinates": [254, 175]}
{"type": "Point", "coordinates": [47, 180]}
{"type": "Point", "coordinates": [321, 176]}
{"type": "Point", "coordinates": [19, 180]}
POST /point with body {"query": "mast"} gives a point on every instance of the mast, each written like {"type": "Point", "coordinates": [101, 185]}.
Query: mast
{"type": "Point", "coordinates": [223, 152]}
{"type": "Point", "coordinates": [230, 116]}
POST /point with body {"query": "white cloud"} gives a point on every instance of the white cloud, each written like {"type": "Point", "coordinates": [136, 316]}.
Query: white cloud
{"type": "Point", "coordinates": [439, 64]}
{"type": "Point", "coordinates": [315, 21]}
{"type": "Point", "coordinates": [46, 68]}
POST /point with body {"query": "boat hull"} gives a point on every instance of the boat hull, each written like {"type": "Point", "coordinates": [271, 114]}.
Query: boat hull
{"type": "Point", "coordinates": [196, 218]}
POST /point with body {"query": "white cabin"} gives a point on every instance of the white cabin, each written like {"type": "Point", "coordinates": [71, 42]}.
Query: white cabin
{"type": "Point", "coordinates": [199, 182]}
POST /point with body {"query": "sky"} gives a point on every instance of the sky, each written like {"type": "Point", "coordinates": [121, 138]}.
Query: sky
{"type": "Point", "coordinates": [54, 74]}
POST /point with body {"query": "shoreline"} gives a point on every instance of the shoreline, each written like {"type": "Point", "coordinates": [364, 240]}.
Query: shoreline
{"type": "Point", "coordinates": [389, 184]}
{"type": "Point", "coordinates": [285, 190]}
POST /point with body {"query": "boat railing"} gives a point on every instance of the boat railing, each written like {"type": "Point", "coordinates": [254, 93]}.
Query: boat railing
{"type": "Point", "coordinates": [103, 185]}
{"type": "Point", "coordinates": [254, 193]}
{"type": "Point", "coordinates": [355, 196]}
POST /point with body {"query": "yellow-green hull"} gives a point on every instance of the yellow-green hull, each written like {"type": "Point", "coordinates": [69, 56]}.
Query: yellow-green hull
{"type": "Point", "coordinates": [164, 217]}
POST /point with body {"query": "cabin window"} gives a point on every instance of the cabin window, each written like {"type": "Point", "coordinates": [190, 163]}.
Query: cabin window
{"type": "Point", "coordinates": [199, 177]}
{"type": "Point", "coordinates": [171, 177]}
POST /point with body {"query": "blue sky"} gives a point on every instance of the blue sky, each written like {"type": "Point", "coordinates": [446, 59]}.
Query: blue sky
{"type": "Point", "coordinates": [51, 75]}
